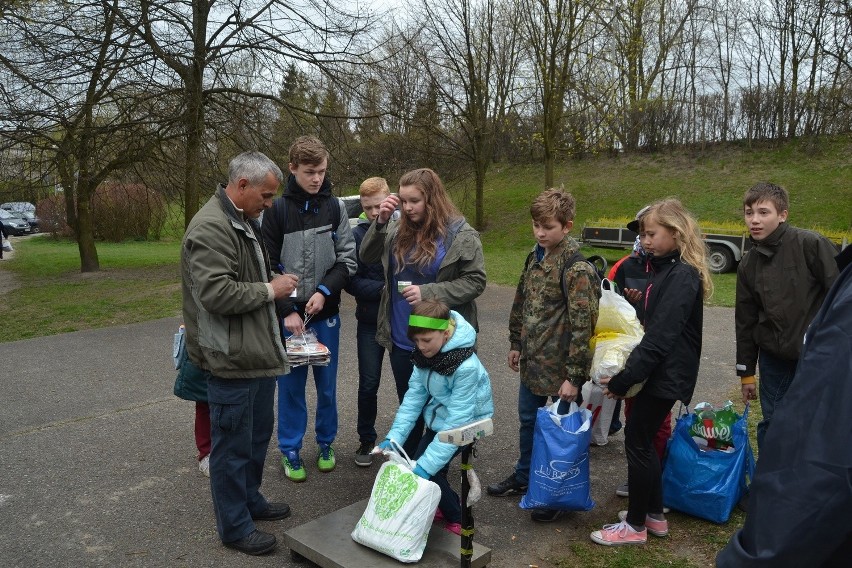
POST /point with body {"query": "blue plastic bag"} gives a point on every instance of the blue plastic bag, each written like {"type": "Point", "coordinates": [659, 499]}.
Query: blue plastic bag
{"type": "Point", "coordinates": [559, 470]}
{"type": "Point", "coordinates": [706, 483]}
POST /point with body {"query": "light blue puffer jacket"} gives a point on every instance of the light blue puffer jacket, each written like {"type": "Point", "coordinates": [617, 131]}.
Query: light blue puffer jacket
{"type": "Point", "coordinates": [446, 402]}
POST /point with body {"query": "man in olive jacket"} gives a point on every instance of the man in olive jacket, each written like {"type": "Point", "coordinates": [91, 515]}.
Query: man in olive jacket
{"type": "Point", "coordinates": [232, 331]}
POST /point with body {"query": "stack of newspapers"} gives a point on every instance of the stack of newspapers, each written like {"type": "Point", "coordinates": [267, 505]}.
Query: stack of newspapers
{"type": "Point", "coordinates": [304, 349]}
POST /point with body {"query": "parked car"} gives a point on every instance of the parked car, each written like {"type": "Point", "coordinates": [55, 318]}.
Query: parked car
{"type": "Point", "coordinates": [13, 224]}
{"type": "Point", "coordinates": [353, 208]}
{"type": "Point", "coordinates": [24, 209]}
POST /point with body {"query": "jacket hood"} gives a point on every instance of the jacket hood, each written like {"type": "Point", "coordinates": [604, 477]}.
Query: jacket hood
{"type": "Point", "coordinates": [302, 198]}
{"type": "Point", "coordinates": [463, 336]}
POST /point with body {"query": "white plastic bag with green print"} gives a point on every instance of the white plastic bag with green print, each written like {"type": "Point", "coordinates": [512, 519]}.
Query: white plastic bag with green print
{"type": "Point", "coordinates": [400, 511]}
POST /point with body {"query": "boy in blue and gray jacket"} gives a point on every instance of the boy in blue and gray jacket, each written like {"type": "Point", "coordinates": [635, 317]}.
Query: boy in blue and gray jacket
{"type": "Point", "coordinates": [307, 233]}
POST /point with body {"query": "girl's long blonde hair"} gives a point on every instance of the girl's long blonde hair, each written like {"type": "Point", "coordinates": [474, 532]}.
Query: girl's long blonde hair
{"type": "Point", "coordinates": [418, 244]}
{"type": "Point", "coordinates": [671, 213]}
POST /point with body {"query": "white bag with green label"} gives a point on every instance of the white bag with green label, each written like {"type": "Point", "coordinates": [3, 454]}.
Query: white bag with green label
{"type": "Point", "coordinates": [400, 511]}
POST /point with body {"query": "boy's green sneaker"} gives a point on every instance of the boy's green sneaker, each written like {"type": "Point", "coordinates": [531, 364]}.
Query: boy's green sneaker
{"type": "Point", "coordinates": [293, 468]}
{"type": "Point", "coordinates": [325, 460]}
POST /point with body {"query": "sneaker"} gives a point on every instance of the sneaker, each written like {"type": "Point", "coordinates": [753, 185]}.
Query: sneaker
{"type": "Point", "coordinates": [325, 459]}
{"type": "Point", "coordinates": [453, 528]}
{"type": "Point", "coordinates": [204, 465]}
{"type": "Point", "coordinates": [545, 515]}
{"type": "Point", "coordinates": [293, 468]}
{"type": "Point", "coordinates": [655, 527]}
{"type": "Point", "coordinates": [623, 490]}
{"type": "Point", "coordinates": [620, 534]}
{"type": "Point", "coordinates": [509, 486]}
{"type": "Point", "coordinates": [364, 454]}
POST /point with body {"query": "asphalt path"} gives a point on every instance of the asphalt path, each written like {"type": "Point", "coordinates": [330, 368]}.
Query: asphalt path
{"type": "Point", "coordinates": [98, 458]}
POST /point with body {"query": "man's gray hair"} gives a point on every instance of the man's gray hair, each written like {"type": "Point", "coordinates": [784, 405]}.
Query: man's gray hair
{"type": "Point", "coordinates": [253, 166]}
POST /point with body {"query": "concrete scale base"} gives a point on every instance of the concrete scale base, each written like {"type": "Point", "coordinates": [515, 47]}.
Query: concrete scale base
{"type": "Point", "coordinates": [327, 542]}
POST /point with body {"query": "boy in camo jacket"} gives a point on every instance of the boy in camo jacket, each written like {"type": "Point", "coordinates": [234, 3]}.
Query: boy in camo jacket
{"type": "Point", "coordinates": [549, 328]}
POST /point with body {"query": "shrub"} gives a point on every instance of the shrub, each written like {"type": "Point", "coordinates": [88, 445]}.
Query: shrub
{"type": "Point", "coordinates": [120, 211]}
{"type": "Point", "coordinates": [124, 211]}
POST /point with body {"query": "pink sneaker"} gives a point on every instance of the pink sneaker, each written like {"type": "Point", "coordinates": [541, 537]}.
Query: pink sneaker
{"type": "Point", "coordinates": [453, 528]}
{"type": "Point", "coordinates": [618, 535]}
{"type": "Point", "coordinates": [439, 516]}
{"type": "Point", "coordinates": [655, 527]}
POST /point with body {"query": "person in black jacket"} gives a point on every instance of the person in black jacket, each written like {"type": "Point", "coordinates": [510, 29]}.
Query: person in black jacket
{"type": "Point", "coordinates": [800, 496]}
{"type": "Point", "coordinates": [781, 283]}
{"type": "Point", "coordinates": [307, 233]}
{"type": "Point", "coordinates": [667, 358]}
{"type": "Point", "coordinates": [631, 275]}
{"type": "Point", "coordinates": [367, 285]}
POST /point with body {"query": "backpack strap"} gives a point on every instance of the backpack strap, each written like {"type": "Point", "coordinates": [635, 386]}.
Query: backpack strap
{"type": "Point", "coordinates": [598, 264]}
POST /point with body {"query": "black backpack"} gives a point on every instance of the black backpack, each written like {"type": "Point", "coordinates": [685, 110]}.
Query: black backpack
{"type": "Point", "coordinates": [598, 264]}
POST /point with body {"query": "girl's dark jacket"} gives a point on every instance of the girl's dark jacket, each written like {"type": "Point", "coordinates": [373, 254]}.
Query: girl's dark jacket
{"type": "Point", "coordinates": [672, 313]}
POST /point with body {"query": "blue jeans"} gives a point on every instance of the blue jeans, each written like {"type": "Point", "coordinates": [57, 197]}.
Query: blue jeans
{"type": "Point", "coordinates": [241, 419]}
{"type": "Point", "coordinates": [528, 405]}
{"type": "Point", "coordinates": [292, 408]}
{"type": "Point", "coordinates": [370, 355]}
{"type": "Point", "coordinates": [402, 367]}
{"type": "Point", "coordinates": [450, 504]}
{"type": "Point", "coordinates": [775, 377]}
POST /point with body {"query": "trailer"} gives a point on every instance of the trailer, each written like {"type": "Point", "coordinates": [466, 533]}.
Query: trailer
{"type": "Point", "coordinates": [724, 249]}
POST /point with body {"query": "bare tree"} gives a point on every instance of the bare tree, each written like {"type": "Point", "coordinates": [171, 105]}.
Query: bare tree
{"type": "Point", "coordinates": [75, 101]}
{"type": "Point", "coordinates": [724, 27]}
{"type": "Point", "coordinates": [471, 52]}
{"type": "Point", "coordinates": [644, 34]}
{"type": "Point", "coordinates": [555, 33]}
{"type": "Point", "coordinates": [197, 39]}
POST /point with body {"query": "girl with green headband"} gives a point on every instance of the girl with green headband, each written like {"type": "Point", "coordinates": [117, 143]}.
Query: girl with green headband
{"type": "Point", "coordinates": [449, 387]}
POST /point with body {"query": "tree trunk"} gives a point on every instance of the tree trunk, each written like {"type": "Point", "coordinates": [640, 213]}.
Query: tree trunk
{"type": "Point", "coordinates": [481, 169]}
{"type": "Point", "coordinates": [194, 123]}
{"type": "Point", "coordinates": [85, 230]}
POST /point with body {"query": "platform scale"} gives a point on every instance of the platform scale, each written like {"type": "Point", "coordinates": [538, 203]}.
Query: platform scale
{"type": "Point", "coordinates": [327, 541]}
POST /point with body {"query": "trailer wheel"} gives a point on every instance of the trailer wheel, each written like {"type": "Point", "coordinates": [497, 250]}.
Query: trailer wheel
{"type": "Point", "coordinates": [721, 259]}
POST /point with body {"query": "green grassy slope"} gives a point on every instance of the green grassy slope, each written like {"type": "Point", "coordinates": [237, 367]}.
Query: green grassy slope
{"type": "Point", "coordinates": [141, 281]}
{"type": "Point", "coordinates": [710, 183]}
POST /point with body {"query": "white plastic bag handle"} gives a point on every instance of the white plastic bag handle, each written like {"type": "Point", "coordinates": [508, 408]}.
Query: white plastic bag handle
{"type": "Point", "coordinates": [572, 408]}
{"type": "Point", "coordinates": [398, 455]}
{"type": "Point", "coordinates": [553, 409]}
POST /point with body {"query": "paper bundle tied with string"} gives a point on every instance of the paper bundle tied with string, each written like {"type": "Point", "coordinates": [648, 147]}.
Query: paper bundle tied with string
{"type": "Point", "coordinates": [617, 333]}
{"type": "Point", "coordinates": [305, 349]}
